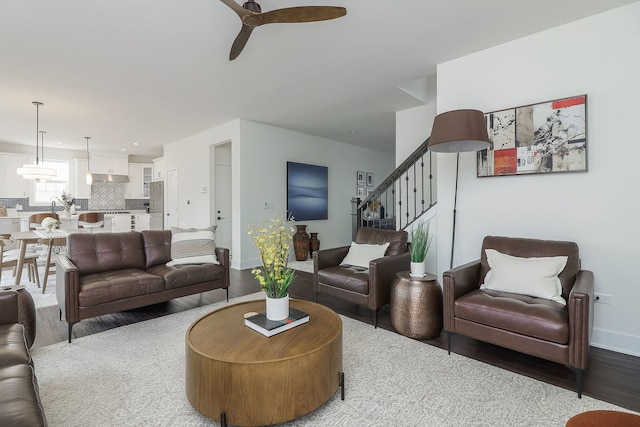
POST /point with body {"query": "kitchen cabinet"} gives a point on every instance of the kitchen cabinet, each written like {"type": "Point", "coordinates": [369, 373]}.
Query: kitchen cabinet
{"type": "Point", "coordinates": [13, 185]}
{"type": "Point", "coordinates": [9, 225]}
{"type": "Point", "coordinates": [142, 222]}
{"type": "Point", "coordinates": [158, 169]}
{"type": "Point", "coordinates": [82, 190]}
{"type": "Point", "coordinates": [109, 165]}
{"type": "Point", "coordinates": [120, 223]}
{"type": "Point", "coordinates": [140, 177]}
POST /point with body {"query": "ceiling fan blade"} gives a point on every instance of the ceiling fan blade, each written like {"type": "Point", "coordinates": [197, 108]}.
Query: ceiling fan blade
{"type": "Point", "coordinates": [241, 11]}
{"type": "Point", "coordinates": [295, 14]}
{"type": "Point", "coordinates": [240, 41]}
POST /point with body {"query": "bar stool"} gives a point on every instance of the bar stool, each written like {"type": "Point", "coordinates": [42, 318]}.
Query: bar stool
{"type": "Point", "coordinates": [91, 221]}
{"type": "Point", "coordinates": [35, 220]}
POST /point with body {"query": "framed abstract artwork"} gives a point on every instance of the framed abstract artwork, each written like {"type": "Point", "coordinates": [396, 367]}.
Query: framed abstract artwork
{"type": "Point", "coordinates": [307, 191]}
{"type": "Point", "coordinates": [547, 137]}
{"type": "Point", "coordinates": [369, 179]}
{"type": "Point", "coordinates": [360, 178]}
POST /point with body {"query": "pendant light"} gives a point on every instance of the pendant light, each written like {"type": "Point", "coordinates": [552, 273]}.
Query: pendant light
{"type": "Point", "coordinates": [37, 171]}
{"type": "Point", "coordinates": [89, 174]}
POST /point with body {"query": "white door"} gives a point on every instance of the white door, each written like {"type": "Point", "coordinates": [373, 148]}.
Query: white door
{"type": "Point", "coordinates": [223, 212]}
{"type": "Point", "coordinates": [172, 200]}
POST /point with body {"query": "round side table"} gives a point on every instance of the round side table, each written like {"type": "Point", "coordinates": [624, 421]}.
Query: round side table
{"type": "Point", "coordinates": [416, 306]}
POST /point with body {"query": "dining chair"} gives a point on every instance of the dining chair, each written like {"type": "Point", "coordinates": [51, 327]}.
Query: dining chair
{"type": "Point", "coordinates": [36, 219]}
{"type": "Point", "coordinates": [9, 259]}
{"type": "Point", "coordinates": [53, 246]}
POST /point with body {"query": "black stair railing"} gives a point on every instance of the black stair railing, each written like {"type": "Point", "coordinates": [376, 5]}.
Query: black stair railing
{"type": "Point", "coordinates": [403, 197]}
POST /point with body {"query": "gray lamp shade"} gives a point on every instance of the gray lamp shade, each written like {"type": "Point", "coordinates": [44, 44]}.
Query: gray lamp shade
{"type": "Point", "coordinates": [458, 131]}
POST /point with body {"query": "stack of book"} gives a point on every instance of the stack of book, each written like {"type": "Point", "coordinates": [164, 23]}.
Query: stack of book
{"type": "Point", "coordinates": [266, 327]}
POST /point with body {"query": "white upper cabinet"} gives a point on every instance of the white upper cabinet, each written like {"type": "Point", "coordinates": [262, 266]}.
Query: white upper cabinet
{"type": "Point", "coordinates": [158, 169]}
{"type": "Point", "coordinates": [82, 189]}
{"type": "Point", "coordinates": [109, 165]}
{"type": "Point", "coordinates": [140, 176]}
{"type": "Point", "coordinates": [13, 185]}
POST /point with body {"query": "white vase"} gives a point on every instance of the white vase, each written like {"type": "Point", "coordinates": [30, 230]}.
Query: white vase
{"type": "Point", "coordinates": [418, 269]}
{"type": "Point", "coordinates": [278, 308]}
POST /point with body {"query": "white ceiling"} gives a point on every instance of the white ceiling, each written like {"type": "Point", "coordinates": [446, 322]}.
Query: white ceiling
{"type": "Point", "coordinates": [154, 71]}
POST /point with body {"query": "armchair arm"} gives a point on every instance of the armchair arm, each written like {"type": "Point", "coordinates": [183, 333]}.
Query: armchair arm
{"type": "Point", "coordinates": [223, 258]}
{"type": "Point", "coordinates": [382, 273]}
{"type": "Point", "coordinates": [67, 288]}
{"type": "Point", "coordinates": [9, 307]}
{"type": "Point", "coordinates": [327, 258]}
{"type": "Point", "coordinates": [457, 282]}
{"type": "Point", "coordinates": [580, 304]}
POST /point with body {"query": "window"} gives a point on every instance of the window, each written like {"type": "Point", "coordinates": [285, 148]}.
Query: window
{"type": "Point", "coordinates": [45, 192]}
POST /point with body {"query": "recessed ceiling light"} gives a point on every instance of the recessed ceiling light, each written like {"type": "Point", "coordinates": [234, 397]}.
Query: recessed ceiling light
{"type": "Point", "coordinates": [123, 149]}
{"type": "Point", "coordinates": [60, 143]}
{"type": "Point", "coordinates": [135, 143]}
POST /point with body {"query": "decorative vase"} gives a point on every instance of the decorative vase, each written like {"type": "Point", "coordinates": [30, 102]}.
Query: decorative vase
{"type": "Point", "coordinates": [301, 242]}
{"type": "Point", "coordinates": [418, 269]}
{"type": "Point", "coordinates": [72, 209]}
{"type": "Point", "coordinates": [278, 308]}
{"type": "Point", "coordinates": [314, 244]}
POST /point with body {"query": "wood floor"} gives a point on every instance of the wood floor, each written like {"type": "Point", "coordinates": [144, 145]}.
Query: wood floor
{"type": "Point", "coordinates": [612, 377]}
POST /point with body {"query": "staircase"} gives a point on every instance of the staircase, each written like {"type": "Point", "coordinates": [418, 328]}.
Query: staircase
{"type": "Point", "coordinates": [402, 198]}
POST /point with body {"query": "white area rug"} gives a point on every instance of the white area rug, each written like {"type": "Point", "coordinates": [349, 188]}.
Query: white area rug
{"type": "Point", "coordinates": [134, 376]}
{"type": "Point", "coordinates": [40, 300]}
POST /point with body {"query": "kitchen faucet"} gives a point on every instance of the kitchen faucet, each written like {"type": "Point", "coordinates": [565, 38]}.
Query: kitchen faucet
{"type": "Point", "coordinates": [53, 206]}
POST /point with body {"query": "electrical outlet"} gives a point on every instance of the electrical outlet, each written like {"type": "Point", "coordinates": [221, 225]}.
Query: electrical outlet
{"type": "Point", "coordinates": [602, 298]}
{"type": "Point", "coordinates": [268, 205]}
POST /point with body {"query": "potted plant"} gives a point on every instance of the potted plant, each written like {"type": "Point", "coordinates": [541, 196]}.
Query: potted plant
{"type": "Point", "coordinates": [273, 239]}
{"type": "Point", "coordinates": [420, 242]}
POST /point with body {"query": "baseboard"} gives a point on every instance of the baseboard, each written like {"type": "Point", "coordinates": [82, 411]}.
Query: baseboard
{"type": "Point", "coordinates": [616, 341]}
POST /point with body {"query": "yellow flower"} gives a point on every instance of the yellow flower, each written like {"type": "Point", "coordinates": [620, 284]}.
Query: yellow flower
{"type": "Point", "coordinates": [273, 240]}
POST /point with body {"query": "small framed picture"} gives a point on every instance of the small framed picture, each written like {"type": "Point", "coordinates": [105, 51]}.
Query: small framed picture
{"type": "Point", "coordinates": [369, 179]}
{"type": "Point", "coordinates": [360, 179]}
{"type": "Point", "coordinates": [360, 191]}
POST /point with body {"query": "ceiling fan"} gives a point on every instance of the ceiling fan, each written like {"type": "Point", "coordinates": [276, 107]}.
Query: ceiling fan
{"type": "Point", "coordinates": [252, 16]}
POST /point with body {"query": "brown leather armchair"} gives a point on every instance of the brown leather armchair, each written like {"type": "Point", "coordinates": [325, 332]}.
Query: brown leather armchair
{"type": "Point", "coordinates": [535, 326]}
{"type": "Point", "coordinates": [370, 288]}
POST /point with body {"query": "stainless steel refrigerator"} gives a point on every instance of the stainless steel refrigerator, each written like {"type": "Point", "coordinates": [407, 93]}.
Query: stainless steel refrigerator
{"type": "Point", "coordinates": [156, 205]}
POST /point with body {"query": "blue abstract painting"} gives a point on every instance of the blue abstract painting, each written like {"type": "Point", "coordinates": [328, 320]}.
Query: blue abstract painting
{"type": "Point", "coordinates": [307, 191]}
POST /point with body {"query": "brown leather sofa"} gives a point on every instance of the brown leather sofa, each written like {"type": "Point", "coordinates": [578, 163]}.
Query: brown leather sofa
{"type": "Point", "coordinates": [535, 326]}
{"type": "Point", "coordinates": [20, 404]}
{"type": "Point", "coordinates": [372, 288]}
{"type": "Point", "coordinates": [110, 272]}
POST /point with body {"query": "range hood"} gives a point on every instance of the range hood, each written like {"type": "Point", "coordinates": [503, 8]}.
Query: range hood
{"type": "Point", "coordinates": [101, 177]}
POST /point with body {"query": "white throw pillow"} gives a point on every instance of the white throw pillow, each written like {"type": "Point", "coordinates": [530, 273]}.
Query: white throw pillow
{"type": "Point", "coordinates": [361, 254]}
{"type": "Point", "coordinates": [536, 277]}
{"type": "Point", "coordinates": [193, 246]}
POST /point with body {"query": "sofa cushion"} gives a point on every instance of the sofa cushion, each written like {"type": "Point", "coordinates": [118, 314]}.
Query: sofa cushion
{"type": "Point", "coordinates": [193, 246]}
{"type": "Point", "coordinates": [13, 347]}
{"type": "Point", "coordinates": [93, 253]}
{"type": "Point", "coordinates": [345, 278]}
{"type": "Point", "coordinates": [157, 247]}
{"type": "Point", "coordinates": [534, 276]}
{"type": "Point", "coordinates": [397, 239]}
{"type": "Point", "coordinates": [362, 254]}
{"type": "Point", "coordinates": [534, 317]}
{"type": "Point", "coordinates": [19, 400]}
{"type": "Point", "coordinates": [185, 275]}
{"type": "Point", "coordinates": [107, 286]}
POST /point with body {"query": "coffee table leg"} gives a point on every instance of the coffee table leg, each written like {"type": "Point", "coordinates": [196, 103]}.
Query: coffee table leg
{"type": "Point", "coordinates": [342, 385]}
{"type": "Point", "coordinates": [223, 419]}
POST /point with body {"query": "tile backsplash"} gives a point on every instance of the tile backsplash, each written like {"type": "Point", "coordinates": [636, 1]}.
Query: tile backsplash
{"type": "Point", "coordinates": [108, 196]}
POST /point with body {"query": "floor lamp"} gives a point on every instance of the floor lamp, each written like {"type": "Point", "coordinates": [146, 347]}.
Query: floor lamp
{"type": "Point", "coordinates": [458, 131]}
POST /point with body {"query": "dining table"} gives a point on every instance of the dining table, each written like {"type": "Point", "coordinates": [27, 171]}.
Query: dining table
{"type": "Point", "coordinates": [25, 238]}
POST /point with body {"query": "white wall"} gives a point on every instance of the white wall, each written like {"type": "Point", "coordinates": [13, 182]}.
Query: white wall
{"type": "Point", "coordinates": [259, 161]}
{"type": "Point", "coordinates": [599, 56]}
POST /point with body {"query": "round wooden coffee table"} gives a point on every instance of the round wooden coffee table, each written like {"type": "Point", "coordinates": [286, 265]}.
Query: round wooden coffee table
{"type": "Point", "coordinates": [238, 376]}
